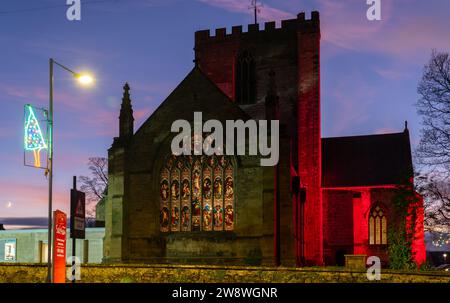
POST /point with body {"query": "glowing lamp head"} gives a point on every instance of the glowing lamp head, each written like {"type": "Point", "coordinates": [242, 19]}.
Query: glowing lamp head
{"type": "Point", "coordinates": [85, 79]}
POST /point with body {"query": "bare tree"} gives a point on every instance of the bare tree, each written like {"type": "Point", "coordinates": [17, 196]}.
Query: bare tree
{"type": "Point", "coordinates": [437, 200]}
{"type": "Point", "coordinates": [433, 152]}
{"type": "Point", "coordinates": [95, 185]}
{"type": "Point", "coordinates": [434, 107]}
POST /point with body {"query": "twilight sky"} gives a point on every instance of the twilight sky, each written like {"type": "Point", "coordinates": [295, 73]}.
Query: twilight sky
{"type": "Point", "coordinates": [370, 71]}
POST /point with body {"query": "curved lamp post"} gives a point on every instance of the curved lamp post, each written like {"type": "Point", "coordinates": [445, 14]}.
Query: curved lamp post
{"type": "Point", "coordinates": [83, 79]}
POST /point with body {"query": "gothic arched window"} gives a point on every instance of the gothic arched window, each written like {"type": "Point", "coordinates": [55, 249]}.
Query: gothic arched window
{"type": "Point", "coordinates": [197, 194]}
{"type": "Point", "coordinates": [377, 226]}
{"type": "Point", "coordinates": [245, 79]}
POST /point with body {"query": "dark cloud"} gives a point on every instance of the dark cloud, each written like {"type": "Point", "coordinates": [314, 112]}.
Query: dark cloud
{"type": "Point", "coordinates": [30, 221]}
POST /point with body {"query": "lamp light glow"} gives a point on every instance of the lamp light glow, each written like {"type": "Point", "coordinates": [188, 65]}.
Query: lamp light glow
{"type": "Point", "coordinates": [84, 79]}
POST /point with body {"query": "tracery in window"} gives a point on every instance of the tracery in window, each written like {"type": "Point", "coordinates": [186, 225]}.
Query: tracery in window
{"type": "Point", "coordinates": [197, 194]}
{"type": "Point", "coordinates": [377, 226]}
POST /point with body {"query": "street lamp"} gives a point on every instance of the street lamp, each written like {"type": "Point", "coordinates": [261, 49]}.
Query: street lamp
{"type": "Point", "coordinates": [83, 79]}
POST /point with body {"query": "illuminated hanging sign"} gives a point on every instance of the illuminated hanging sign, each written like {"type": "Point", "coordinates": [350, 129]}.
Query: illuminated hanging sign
{"type": "Point", "coordinates": [34, 140]}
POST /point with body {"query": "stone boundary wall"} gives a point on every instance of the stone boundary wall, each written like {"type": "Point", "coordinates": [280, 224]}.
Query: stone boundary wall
{"type": "Point", "coordinates": [125, 273]}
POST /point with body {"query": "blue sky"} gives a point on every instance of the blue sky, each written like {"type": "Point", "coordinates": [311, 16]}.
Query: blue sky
{"type": "Point", "coordinates": [370, 71]}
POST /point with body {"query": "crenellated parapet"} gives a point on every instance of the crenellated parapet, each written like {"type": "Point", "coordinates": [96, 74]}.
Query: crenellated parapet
{"type": "Point", "coordinates": [237, 32]}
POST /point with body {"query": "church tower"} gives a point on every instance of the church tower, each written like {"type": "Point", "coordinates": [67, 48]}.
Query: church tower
{"type": "Point", "coordinates": [238, 63]}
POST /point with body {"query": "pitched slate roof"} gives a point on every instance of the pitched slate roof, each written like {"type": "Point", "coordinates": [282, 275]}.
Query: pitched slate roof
{"type": "Point", "coordinates": [196, 93]}
{"type": "Point", "coordinates": [366, 160]}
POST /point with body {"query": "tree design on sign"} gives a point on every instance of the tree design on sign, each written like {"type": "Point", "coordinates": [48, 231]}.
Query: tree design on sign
{"type": "Point", "coordinates": [34, 140]}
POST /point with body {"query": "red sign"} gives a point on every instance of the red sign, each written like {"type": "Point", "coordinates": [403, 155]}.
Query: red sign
{"type": "Point", "coordinates": [59, 246]}
{"type": "Point", "coordinates": [77, 214]}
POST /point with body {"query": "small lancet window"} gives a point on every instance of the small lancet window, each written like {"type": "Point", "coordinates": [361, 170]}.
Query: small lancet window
{"type": "Point", "coordinates": [245, 79]}
{"type": "Point", "coordinates": [377, 226]}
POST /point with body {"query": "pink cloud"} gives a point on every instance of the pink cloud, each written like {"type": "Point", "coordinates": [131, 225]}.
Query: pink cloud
{"type": "Point", "coordinates": [101, 122]}
{"type": "Point", "coordinates": [30, 199]}
{"type": "Point", "coordinates": [26, 93]}
{"type": "Point", "coordinates": [141, 114]}
{"type": "Point", "coordinates": [73, 161]}
{"type": "Point", "coordinates": [404, 31]}
{"type": "Point", "coordinates": [13, 91]}
{"type": "Point", "coordinates": [39, 96]}
{"type": "Point", "coordinates": [99, 119]}
{"type": "Point", "coordinates": [351, 106]}
{"type": "Point", "coordinates": [391, 73]}
{"type": "Point", "coordinates": [386, 130]}
{"type": "Point", "coordinates": [344, 23]}
{"type": "Point", "coordinates": [267, 13]}
{"type": "Point", "coordinates": [413, 38]}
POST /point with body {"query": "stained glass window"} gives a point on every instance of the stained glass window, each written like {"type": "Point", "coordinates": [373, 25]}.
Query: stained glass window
{"type": "Point", "coordinates": [377, 226]}
{"type": "Point", "coordinates": [175, 198]}
{"type": "Point", "coordinates": [197, 194]}
{"type": "Point", "coordinates": [164, 200]}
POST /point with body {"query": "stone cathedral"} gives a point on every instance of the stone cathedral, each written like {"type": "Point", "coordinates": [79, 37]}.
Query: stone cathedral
{"type": "Point", "coordinates": [326, 197]}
